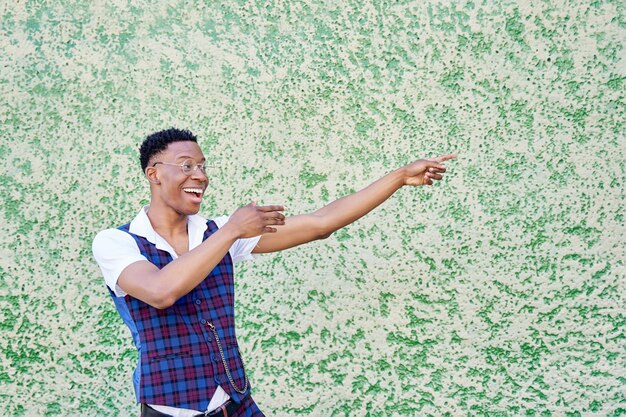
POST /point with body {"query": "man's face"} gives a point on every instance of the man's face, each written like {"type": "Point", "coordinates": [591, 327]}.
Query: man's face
{"type": "Point", "coordinates": [174, 188]}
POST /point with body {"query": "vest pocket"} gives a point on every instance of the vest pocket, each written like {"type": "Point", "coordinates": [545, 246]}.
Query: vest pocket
{"type": "Point", "coordinates": [171, 355]}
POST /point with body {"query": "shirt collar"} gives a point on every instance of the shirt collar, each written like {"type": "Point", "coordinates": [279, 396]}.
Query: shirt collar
{"type": "Point", "coordinates": [141, 226]}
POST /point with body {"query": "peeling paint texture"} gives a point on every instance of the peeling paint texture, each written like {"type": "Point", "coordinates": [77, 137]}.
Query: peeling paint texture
{"type": "Point", "coordinates": [498, 292]}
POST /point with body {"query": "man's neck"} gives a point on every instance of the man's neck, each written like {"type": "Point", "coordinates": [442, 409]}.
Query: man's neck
{"type": "Point", "coordinates": [167, 222]}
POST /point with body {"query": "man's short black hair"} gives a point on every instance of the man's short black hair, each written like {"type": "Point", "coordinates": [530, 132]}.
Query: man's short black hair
{"type": "Point", "coordinates": [158, 141]}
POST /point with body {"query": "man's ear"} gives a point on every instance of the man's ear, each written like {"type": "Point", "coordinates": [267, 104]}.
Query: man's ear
{"type": "Point", "coordinates": [152, 175]}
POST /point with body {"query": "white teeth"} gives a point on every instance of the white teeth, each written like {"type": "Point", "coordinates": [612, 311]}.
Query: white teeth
{"type": "Point", "coordinates": [193, 190]}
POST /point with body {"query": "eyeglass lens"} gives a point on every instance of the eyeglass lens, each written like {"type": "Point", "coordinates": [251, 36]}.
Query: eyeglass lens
{"type": "Point", "coordinates": [189, 166]}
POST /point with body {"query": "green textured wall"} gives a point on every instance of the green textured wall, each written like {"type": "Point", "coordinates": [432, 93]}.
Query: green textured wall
{"type": "Point", "coordinates": [498, 292]}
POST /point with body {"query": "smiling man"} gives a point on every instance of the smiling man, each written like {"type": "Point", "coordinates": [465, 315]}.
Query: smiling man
{"type": "Point", "coordinates": [170, 274]}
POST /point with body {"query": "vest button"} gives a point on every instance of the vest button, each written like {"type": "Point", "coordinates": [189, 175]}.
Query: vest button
{"type": "Point", "coordinates": [198, 302]}
{"type": "Point", "coordinates": [217, 379]}
{"type": "Point", "coordinates": [214, 358]}
{"type": "Point", "coordinates": [203, 321]}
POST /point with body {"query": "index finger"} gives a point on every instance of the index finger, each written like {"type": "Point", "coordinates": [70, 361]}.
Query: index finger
{"type": "Point", "coordinates": [271, 208]}
{"type": "Point", "coordinates": [447, 157]}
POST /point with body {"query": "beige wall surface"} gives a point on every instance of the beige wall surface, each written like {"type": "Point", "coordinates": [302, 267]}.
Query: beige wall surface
{"type": "Point", "coordinates": [497, 292]}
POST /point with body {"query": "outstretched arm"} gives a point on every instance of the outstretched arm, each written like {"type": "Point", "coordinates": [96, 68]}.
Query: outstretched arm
{"type": "Point", "coordinates": [323, 222]}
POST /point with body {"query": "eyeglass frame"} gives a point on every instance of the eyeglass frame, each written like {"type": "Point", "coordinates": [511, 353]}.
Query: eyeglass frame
{"type": "Point", "coordinates": [202, 167]}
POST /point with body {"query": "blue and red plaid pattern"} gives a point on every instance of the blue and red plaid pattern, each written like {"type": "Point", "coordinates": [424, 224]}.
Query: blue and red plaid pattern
{"type": "Point", "coordinates": [179, 362]}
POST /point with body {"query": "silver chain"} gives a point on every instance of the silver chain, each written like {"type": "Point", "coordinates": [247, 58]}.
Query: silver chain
{"type": "Point", "coordinates": [230, 378]}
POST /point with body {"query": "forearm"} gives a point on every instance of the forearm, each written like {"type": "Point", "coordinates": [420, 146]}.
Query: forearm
{"type": "Point", "coordinates": [183, 274]}
{"type": "Point", "coordinates": [352, 207]}
{"type": "Point", "coordinates": [163, 287]}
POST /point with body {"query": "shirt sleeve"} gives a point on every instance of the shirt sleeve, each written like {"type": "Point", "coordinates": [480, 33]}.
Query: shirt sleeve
{"type": "Point", "coordinates": [114, 250]}
{"type": "Point", "coordinates": [242, 249]}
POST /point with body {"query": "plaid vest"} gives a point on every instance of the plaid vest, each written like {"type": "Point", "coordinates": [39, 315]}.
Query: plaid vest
{"type": "Point", "coordinates": [180, 364]}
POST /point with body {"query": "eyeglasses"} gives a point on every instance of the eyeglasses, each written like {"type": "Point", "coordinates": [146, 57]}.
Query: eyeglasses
{"type": "Point", "coordinates": [188, 166]}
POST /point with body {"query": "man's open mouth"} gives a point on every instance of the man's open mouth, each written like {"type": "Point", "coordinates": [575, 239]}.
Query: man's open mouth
{"type": "Point", "coordinates": [198, 192]}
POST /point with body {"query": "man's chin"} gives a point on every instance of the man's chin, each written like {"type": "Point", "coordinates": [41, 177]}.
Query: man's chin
{"type": "Point", "coordinates": [195, 210]}
{"type": "Point", "coordinates": [189, 210]}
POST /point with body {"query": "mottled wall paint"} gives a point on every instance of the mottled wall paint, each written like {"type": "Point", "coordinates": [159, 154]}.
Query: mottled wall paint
{"type": "Point", "coordinates": [499, 292]}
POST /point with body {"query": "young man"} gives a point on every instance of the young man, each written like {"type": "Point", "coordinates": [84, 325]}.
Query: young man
{"type": "Point", "coordinates": [170, 274]}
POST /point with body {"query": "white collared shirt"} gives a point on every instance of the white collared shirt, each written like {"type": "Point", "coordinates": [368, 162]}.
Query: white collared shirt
{"type": "Point", "coordinates": [114, 250]}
